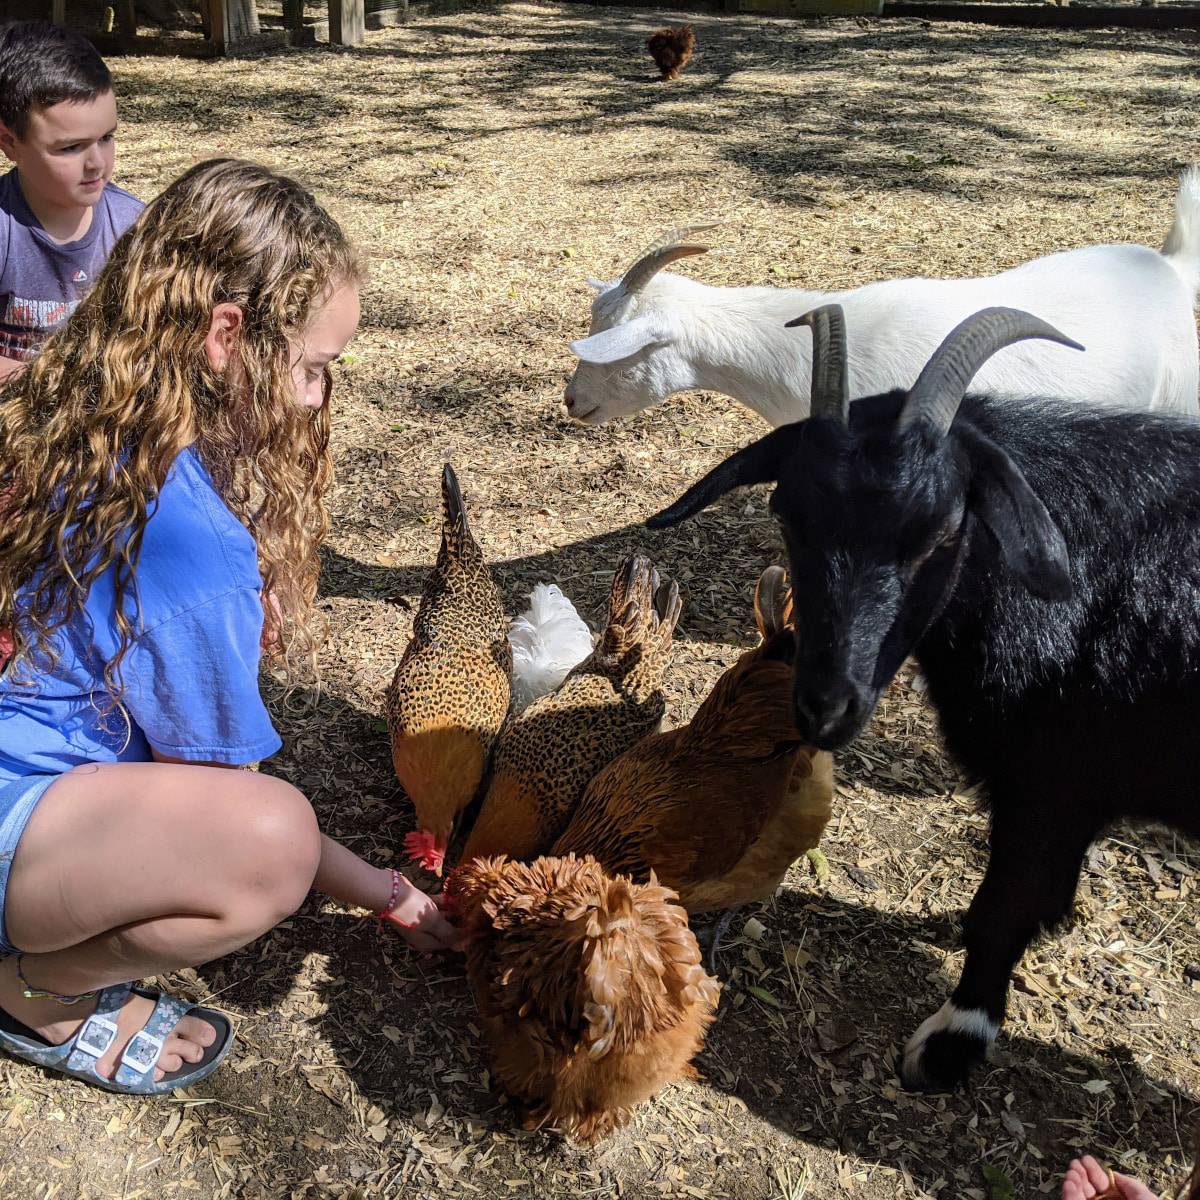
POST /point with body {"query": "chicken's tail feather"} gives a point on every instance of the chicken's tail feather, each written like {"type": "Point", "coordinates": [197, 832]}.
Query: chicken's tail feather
{"type": "Point", "coordinates": [643, 611]}
{"type": "Point", "coordinates": [548, 639]}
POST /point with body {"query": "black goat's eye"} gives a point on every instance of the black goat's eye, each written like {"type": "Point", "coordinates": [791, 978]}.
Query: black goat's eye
{"type": "Point", "coordinates": [943, 541]}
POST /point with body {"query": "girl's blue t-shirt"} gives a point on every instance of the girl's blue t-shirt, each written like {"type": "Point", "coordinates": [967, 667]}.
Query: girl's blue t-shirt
{"type": "Point", "coordinates": [191, 672]}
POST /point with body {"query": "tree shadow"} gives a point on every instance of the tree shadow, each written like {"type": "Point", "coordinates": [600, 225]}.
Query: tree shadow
{"type": "Point", "coordinates": [584, 70]}
{"type": "Point", "coordinates": [818, 1065]}
{"type": "Point", "coordinates": [806, 1039]}
{"type": "Point", "coordinates": [711, 563]}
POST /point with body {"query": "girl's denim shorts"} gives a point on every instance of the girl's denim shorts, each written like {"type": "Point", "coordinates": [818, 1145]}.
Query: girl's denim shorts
{"type": "Point", "coordinates": [18, 798]}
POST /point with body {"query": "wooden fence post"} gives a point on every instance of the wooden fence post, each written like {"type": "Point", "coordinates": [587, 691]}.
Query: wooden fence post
{"type": "Point", "coordinates": [232, 22]}
{"type": "Point", "coordinates": [347, 22]}
{"type": "Point", "coordinates": [127, 20]}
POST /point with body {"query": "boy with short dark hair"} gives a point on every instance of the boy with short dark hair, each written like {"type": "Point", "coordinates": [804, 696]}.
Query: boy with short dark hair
{"type": "Point", "coordinates": [59, 214]}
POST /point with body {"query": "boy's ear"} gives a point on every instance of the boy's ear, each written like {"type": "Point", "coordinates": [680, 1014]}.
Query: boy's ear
{"type": "Point", "coordinates": [8, 142]}
{"type": "Point", "coordinates": [224, 329]}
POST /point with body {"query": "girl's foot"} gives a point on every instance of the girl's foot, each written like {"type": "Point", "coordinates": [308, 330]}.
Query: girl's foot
{"type": "Point", "coordinates": [1086, 1179]}
{"type": "Point", "coordinates": [57, 1023]}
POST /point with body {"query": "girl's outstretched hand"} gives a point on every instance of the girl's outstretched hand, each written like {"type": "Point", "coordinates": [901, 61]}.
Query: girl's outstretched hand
{"type": "Point", "coordinates": [420, 921]}
{"type": "Point", "coordinates": [1086, 1179]}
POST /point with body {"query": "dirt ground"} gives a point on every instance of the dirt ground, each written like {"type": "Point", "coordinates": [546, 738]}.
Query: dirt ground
{"type": "Point", "coordinates": [487, 161]}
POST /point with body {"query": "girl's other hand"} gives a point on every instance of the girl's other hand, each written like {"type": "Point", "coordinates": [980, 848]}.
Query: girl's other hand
{"type": "Point", "coordinates": [1086, 1179]}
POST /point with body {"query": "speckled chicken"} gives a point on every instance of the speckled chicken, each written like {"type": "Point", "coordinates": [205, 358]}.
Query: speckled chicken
{"type": "Point", "coordinates": [590, 988]}
{"type": "Point", "coordinates": [553, 750]}
{"type": "Point", "coordinates": [719, 808]}
{"type": "Point", "coordinates": [450, 694]}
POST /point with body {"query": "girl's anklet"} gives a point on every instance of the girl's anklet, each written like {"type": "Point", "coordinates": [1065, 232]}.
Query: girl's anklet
{"type": "Point", "coordinates": [32, 993]}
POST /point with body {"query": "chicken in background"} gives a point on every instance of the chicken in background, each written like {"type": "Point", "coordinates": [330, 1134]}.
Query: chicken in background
{"type": "Point", "coordinates": [590, 988]}
{"type": "Point", "coordinates": [548, 755]}
{"type": "Point", "coordinates": [718, 809]}
{"type": "Point", "coordinates": [671, 47]}
{"type": "Point", "coordinates": [548, 639]}
{"type": "Point", "coordinates": [450, 693]}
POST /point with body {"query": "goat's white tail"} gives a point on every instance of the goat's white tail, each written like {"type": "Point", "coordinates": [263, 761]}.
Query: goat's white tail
{"type": "Point", "coordinates": [1182, 247]}
{"type": "Point", "coordinates": [547, 640]}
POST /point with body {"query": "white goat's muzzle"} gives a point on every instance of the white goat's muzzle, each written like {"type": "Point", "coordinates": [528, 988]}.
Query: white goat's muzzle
{"type": "Point", "coordinates": [573, 409]}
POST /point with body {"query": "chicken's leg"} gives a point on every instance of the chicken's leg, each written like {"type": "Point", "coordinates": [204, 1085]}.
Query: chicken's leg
{"type": "Point", "coordinates": [709, 936]}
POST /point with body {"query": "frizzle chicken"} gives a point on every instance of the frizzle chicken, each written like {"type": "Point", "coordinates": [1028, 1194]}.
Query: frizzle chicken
{"type": "Point", "coordinates": [450, 694]}
{"type": "Point", "coordinates": [590, 988]}
{"type": "Point", "coordinates": [551, 752]}
{"type": "Point", "coordinates": [671, 47]}
{"type": "Point", "coordinates": [718, 809]}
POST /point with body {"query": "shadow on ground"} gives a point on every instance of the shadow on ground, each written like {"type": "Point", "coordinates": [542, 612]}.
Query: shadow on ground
{"type": "Point", "coordinates": [812, 1054]}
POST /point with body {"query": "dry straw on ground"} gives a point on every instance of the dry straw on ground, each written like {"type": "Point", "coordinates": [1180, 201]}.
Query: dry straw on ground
{"type": "Point", "coordinates": [487, 160]}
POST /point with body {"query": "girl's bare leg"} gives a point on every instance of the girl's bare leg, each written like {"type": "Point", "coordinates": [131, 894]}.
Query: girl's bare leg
{"type": "Point", "coordinates": [130, 869]}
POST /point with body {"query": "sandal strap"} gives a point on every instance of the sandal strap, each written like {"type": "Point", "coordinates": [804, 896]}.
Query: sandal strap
{"type": "Point", "coordinates": [94, 1037]}
{"type": "Point", "coordinates": [142, 1053]}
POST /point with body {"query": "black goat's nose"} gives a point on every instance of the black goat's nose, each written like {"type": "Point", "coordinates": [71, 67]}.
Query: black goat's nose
{"type": "Point", "coordinates": [822, 712]}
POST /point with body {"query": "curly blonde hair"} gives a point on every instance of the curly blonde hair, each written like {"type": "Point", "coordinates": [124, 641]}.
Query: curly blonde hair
{"type": "Point", "coordinates": [89, 431]}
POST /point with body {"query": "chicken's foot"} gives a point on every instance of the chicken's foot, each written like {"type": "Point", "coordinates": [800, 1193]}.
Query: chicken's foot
{"type": "Point", "coordinates": [709, 936]}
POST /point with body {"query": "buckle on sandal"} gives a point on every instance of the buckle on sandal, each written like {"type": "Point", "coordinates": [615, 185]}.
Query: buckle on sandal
{"type": "Point", "coordinates": [96, 1035]}
{"type": "Point", "coordinates": [142, 1052]}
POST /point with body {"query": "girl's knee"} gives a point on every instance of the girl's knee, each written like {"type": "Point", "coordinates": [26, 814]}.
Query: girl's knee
{"type": "Point", "coordinates": [281, 844]}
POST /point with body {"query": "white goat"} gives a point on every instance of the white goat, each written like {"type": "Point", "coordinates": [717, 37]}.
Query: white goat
{"type": "Point", "coordinates": [1131, 307]}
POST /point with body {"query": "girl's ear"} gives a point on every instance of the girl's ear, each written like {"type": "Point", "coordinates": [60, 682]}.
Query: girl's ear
{"type": "Point", "coordinates": [223, 332]}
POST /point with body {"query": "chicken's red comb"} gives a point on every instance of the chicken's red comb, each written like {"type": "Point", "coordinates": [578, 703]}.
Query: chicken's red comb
{"type": "Point", "coordinates": [422, 848]}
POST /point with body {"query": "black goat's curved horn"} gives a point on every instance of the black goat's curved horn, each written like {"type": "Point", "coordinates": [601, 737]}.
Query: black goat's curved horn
{"type": "Point", "coordinates": [830, 384]}
{"type": "Point", "coordinates": [671, 246]}
{"type": "Point", "coordinates": [943, 382]}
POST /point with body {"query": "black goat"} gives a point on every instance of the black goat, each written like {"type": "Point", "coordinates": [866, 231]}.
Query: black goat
{"type": "Point", "coordinates": [1042, 561]}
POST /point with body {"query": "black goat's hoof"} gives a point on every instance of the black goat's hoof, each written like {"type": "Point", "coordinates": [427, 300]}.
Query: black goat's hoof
{"type": "Point", "coordinates": [941, 1054]}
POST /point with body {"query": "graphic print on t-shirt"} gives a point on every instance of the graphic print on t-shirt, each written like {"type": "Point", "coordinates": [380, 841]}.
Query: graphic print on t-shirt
{"type": "Point", "coordinates": [25, 325]}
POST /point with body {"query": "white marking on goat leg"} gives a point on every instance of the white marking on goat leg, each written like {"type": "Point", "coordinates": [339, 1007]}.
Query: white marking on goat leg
{"type": "Point", "coordinates": [970, 1022]}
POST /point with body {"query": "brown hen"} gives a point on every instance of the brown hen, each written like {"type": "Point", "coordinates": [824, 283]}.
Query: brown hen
{"type": "Point", "coordinates": [450, 693]}
{"type": "Point", "coordinates": [721, 807]}
{"type": "Point", "coordinates": [671, 47]}
{"type": "Point", "coordinates": [590, 988]}
{"type": "Point", "coordinates": [552, 751]}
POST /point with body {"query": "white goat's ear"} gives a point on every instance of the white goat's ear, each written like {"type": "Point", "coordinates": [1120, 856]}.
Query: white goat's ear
{"type": "Point", "coordinates": [622, 341]}
{"type": "Point", "coordinates": [597, 285]}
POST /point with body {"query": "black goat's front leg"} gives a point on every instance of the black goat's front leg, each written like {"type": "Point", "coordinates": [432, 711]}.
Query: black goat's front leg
{"type": "Point", "coordinates": [1029, 886]}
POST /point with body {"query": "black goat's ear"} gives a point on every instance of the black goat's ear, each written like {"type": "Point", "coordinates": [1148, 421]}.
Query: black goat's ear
{"type": "Point", "coordinates": [757, 463]}
{"type": "Point", "coordinates": [1030, 543]}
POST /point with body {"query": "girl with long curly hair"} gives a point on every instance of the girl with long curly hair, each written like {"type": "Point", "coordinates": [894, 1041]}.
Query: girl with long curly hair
{"type": "Point", "coordinates": [163, 465]}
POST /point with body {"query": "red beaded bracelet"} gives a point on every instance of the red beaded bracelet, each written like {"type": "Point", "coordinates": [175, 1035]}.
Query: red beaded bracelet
{"type": "Point", "coordinates": [385, 913]}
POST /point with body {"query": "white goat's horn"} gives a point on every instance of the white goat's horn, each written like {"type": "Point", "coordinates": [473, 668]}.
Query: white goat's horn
{"type": "Point", "coordinates": [666, 250]}
{"type": "Point", "coordinates": [943, 382]}
{"type": "Point", "coordinates": [830, 385]}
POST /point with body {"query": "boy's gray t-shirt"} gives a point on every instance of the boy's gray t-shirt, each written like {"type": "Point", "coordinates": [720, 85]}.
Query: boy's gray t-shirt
{"type": "Point", "coordinates": [41, 281]}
